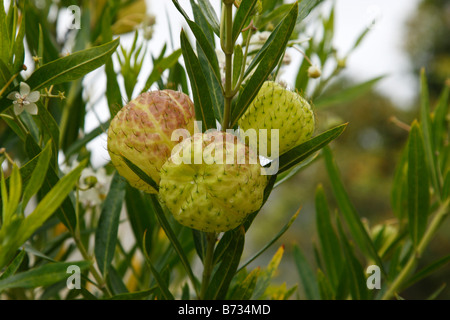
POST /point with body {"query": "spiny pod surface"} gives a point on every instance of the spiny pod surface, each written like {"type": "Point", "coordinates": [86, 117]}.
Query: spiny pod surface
{"type": "Point", "coordinates": [212, 182]}
{"type": "Point", "coordinates": [275, 107]}
{"type": "Point", "coordinates": [142, 131]}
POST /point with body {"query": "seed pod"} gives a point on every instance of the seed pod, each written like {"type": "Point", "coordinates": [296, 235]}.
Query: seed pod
{"type": "Point", "coordinates": [220, 186]}
{"type": "Point", "coordinates": [278, 108]}
{"type": "Point", "coordinates": [142, 131]}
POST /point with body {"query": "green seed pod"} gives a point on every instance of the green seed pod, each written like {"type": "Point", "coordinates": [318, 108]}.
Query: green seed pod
{"type": "Point", "coordinates": [142, 131]}
{"type": "Point", "coordinates": [277, 108]}
{"type": "Point", "coordinates": [216, 186]}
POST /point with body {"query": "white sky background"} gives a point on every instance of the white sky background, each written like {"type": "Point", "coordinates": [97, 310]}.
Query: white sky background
{"type": "Point", "coordinates": [379, 54]}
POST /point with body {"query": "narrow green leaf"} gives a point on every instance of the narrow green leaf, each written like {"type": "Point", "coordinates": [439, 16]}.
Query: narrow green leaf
{"type": "Point", "coordinates": [347, 94]}
{"type": "Point", "coordinates": [428, 270]}
{"type": "Point", "coordinates": [5, 76]}
{"type": "Point", "coordinates": [222, 277]}
{"type": "Point", "coordinates": [272, 15]}
{"type": "Point", "coordinates": [356, 276]}
{"type": "Point", "coordinates": [210, 15]}
{"type": "Point", "coordinates": [268, 62]}
{"type": "Point", "coordinates": [418, 184]}
{"type": "Point", "coordinates": [50, 127]}
{"type": "Point", "coordinates": [4, 40]}
{"type": "Point", "coordinates": [272, 241]}
{"type": "Point", "coordinates": [202, 102]}
{"type": "Point", "coordinates": [266, 276]}
{"type": "Point", "coordinates": [436, 293]}
{"type": "Point", "coordinates": [246, 288]}
{"type": "Point", "coordinates": [200, 243]}
{"type": "Point", "coordinates": [41, 276]}
{"type": "Point", "coordinates": [15, 192]}
{"type": "Point", "coordinates": [67, 68]}
{"type": "Point", "coordinates": [46, 207]}
{"type": "Point", "coordinates": [329, 241]}
{"type": "Point", "coordinates": [428, 141]}
{"type": "Point", "coordinates": [71, 67]}
{"type": "Point", "coordinates": [351, 217]}
{"type": "Point", "coordinates": [13, 266]}
{"type": "Point", "coordinates": [141, 174]}
{"type": "Point", "coordinates": [38, 176]}
{"type": "Point", "coordinates": [287, 174]}
{"type": "Point", "coordinates": [159, 280]}
{"type": "Point", "coordinates": [115, 282]}
{"type": "Point", "coordinates": [5, 197]}
{"type": "Point", "coordinates": [208, 59]}
{"type": "Point", "coordinates": [325, 289]}
{"type": "Point", "coordinates": [307, 276]}
{"type": "Point", "coordinates": [142, 218]}
{"type": "Point", "coordinates": [305, 7]}
{"type": "Point", "coordinates": [173, 239]}
{"type": "Point", "coordinates": [446, 187]}
{"type": "Point", "coordinates": [299, 153]}
{"type": "Point", "coordinates": [439, 119]}
{"type": "Point", "coordinates": [108, 224]}
{"type": "Point", "coordinates": [242, 15]}
{"type": "Point", "coordinates": [66, 212]}
{"type": "Point", "coordinates": [399, 200]}
{"type": "Point", "coordinates": [18, 48]}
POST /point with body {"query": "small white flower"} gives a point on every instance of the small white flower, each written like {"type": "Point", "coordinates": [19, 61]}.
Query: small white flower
{"type": "Point", "coordinates": [25, 100]}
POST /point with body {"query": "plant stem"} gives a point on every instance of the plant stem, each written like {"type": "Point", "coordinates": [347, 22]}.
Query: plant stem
{"type": "Point", "coordinates": [208, 263]}
{"type": "Point", "coordinates": [228, 50]}
{"type": "Point", "coordinates": [404, 274]}
{"type": "Point", "coordinates": [76, 236]}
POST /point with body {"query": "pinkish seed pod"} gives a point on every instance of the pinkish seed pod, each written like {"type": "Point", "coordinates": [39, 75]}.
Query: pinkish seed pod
{"type": "Point", "coordinates": [142, 131]}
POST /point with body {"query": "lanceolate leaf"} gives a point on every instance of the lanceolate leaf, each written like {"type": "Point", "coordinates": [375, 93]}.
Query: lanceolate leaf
{"type": "Point", "coordinates": [108, 224]}
{"type": "Point", "coordinates": [418, 184]}
{"type": "Point", "coordinates": [294, 156]}
{"type": "Point", "coordinates": [173, 239]}
{"type": "Point", "coordinates": [202, 101]}
{"type": "Point", "coordinates": [141, 174]}
{"type": "Point", "coordinates": [329, 242]}
{"type": "Point", "coordinates": [307, 276]}
{"type": "Point", "coordinates": [268, 62]}
{"type": "Point", "coordinates": [210, 15]}
{"type": "Point", "coordinates": [68, 68]}
{"type": "Point", "coordinates": [351, 217]}
{"type": "Point", "coordinates": [46, 207]}
{"type": "Point", "coordinates": [39, 174]}
{"type": "Point", "coordinates": [428, 141]}
{"type": "Point", "coordinates": [221, 279]}
{"type": "Point", "coordinates": [355, 273]}
{"type": "Point", "coordinates": [305, 8]}
{"type": "Point", "coordinates": [242, 15]}
{"type": "Point", "coordinates": [41, 276]}
{"type": "Point", "coordinates": [272, 241]}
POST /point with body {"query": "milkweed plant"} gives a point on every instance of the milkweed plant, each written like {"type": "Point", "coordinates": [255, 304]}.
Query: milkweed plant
{"type": "Point", "coordinates": [196, 143]}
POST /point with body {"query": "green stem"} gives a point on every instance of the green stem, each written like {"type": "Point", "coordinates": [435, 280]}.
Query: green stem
{"type": "Point", "coordinates": [227, 48]}
{"type": "Point", "coordinates": [406, 271]}
{"type": "Point", "coordinates": [77, 237]}
{"type": "Point", "coordinates": [244, 59]}
{"type": "Point", "coordinates": [20, 123]}
{"type": "Point", "coordinates": [208, 263]}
